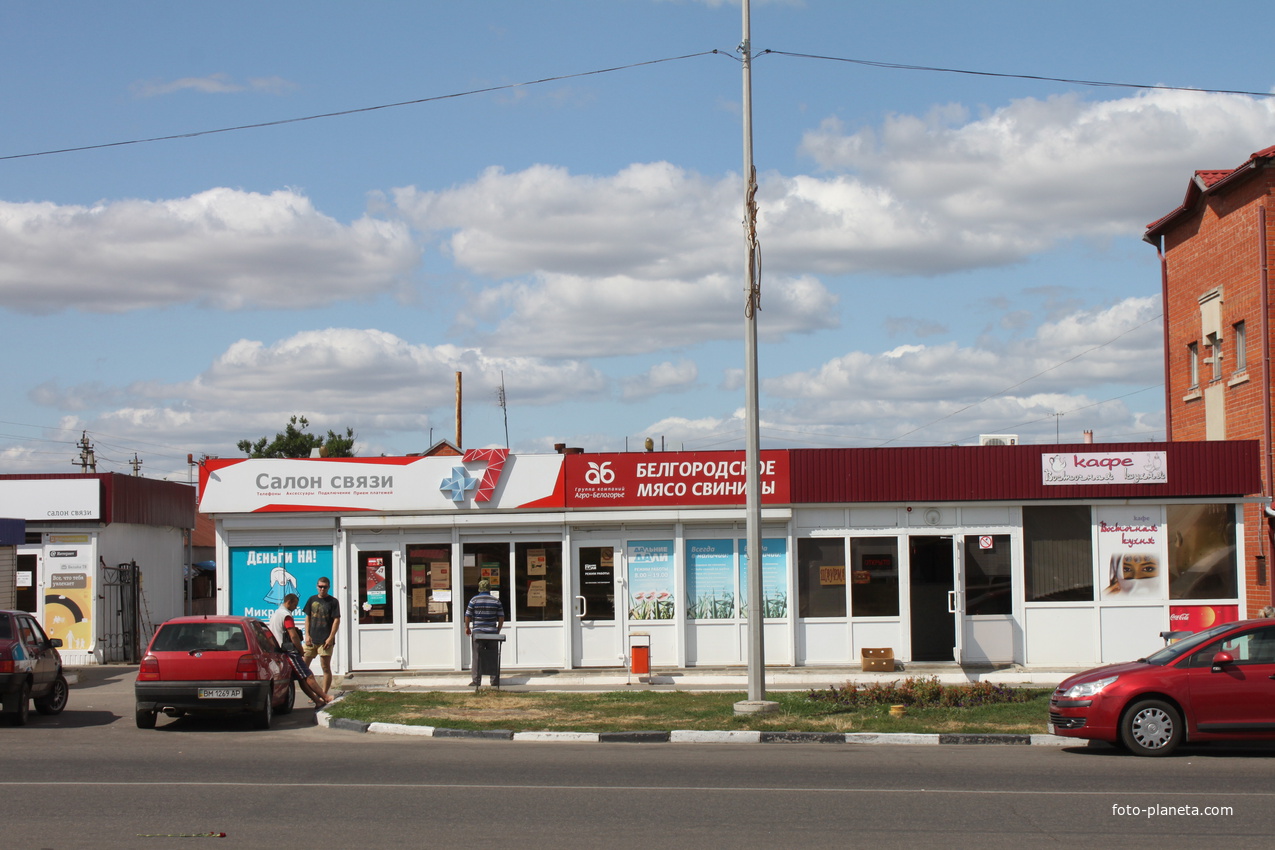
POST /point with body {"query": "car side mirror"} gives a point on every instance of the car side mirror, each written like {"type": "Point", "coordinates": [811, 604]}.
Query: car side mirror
{"type": "Point", "coordinates": [55, 642]}
{"type": "Point", "coordinates": [1221, 659]}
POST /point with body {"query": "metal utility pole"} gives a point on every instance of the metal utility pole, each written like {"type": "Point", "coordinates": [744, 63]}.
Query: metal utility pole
{"type": "Point", "coordinates": [756, 702]}
{"type": "Point", "coordinates": [504, 405]}
{"type": "Point", "coordinates": [459, 439]}
{"type": "Point", "coordinates": [88, 459]}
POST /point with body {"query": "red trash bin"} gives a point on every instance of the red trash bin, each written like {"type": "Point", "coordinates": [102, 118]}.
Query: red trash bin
{"type": "Point", "coordinates": [639, 654]}
{"type": "Point", "coordinates": [641, 661]}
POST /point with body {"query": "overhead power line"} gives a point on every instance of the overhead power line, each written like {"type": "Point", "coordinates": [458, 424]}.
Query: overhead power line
{"type": "Point", "coordinates": [895, 66]}
{"type": "Point", "coordinates": [362, 109]}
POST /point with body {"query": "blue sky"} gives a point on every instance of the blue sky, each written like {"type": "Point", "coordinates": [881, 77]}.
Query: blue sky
{"type": "Point", "coordinates": [944, 254]}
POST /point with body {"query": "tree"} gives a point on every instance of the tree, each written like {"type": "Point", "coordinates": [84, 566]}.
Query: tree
{"type": "Point", "coordinates": [293, 441]}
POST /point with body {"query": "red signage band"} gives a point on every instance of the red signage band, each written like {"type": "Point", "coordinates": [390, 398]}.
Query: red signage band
{"type": "Point", "coordinates": [630, 479]}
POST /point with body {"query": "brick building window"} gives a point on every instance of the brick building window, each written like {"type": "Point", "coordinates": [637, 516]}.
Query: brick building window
{"type": "Point", "coordinates": [1241, 359]}
{"type": "Point", "coordinates": [1193, 360]}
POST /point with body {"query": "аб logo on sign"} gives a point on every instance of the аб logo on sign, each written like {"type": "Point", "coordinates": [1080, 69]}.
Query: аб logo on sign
{"type": "Point", "coordinates": [600, 473]}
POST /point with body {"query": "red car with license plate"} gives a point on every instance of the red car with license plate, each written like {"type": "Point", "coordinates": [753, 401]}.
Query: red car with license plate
{"type": "Point", "coordinates": [30, 668]}
{"type": "Point", "coordinates": [214, 665]}
{"type": "Point", "coordinates": [1215, 685]}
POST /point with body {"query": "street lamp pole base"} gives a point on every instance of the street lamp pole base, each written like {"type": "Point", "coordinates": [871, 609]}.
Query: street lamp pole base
{"type": "Point", "coordinates": [755, 706]}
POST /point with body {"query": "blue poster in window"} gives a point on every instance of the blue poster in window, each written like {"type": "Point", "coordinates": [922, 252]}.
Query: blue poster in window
{"type": "Point", "coordinates": [710, 579]}
{"type": "Point", "coordinates": [650, 579]}
{"type": "Point", "coordinates": [774, 578]}
{"type": "Point", "coordinates": [260, 576]}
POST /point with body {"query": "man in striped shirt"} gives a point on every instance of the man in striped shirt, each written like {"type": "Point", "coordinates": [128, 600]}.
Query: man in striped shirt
{"type": "Point", "coordinates": [484, 615]}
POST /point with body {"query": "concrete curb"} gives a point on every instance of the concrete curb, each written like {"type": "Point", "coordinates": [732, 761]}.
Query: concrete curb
{"type": "Point", "coordinates": [691, 736]}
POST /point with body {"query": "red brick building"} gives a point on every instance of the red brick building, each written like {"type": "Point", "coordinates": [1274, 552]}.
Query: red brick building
{"type": "Point", "coordinates": [1215, 251]}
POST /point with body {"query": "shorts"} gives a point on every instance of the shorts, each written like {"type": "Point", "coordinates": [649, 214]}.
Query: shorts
{"type": "Point", "coordinates": [300, 670]}
{"type": "Point", "coordinates": [314, 649]}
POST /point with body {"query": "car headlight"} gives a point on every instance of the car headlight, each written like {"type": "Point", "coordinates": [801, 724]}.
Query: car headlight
{"type": "Point", "coordinates": [1084, 690]}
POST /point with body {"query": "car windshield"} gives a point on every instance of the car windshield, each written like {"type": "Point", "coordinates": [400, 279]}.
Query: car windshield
{"type": "Point", "coordinates": [1174, 651]}
{"type": "Point", "coordinates": [6, 630]}
{"type": "Point", "coordinates": [191, 637]}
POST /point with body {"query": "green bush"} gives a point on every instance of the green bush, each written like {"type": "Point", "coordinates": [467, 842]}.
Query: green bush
{"type": "Point", "coordinates": [919, 693]}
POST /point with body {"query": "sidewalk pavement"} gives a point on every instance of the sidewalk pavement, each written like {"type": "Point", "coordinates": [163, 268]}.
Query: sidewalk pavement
{"type": "Point", "coordinates": [695, 679]}
{"type": "Point", "coordinates": [701, 678]}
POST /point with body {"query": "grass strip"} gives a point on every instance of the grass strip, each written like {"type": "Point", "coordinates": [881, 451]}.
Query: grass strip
{"type": "Point", "coordinates": [626, 711]}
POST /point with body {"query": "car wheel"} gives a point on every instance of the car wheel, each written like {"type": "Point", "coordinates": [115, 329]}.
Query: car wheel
{"type": "Point", "coordinates": [265, 715]}
{"type": "Point", "coordinates": [55, 700]}
{"type": "Point", "coordinates": [289, 700]}
{"type": "Point", "coordinates": [22, 709]}
{"type": "Point", "coordinates": [1151, 728]}
{"type": "Point", "coordinates": [146, 719]}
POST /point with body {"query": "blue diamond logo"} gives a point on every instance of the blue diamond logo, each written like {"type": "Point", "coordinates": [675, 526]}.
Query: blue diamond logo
{"type": "Point", "coordinates": [458, 484]}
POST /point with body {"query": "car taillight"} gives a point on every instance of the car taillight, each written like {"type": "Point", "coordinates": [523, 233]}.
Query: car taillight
{"type": "Point", "coordinates": [149, 671]}
{"type": "Point", "coordinates": [6, 663]}
{"type": "Point", "coordinates": [246, 669]}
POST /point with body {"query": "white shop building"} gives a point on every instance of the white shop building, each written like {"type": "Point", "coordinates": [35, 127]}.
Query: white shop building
{"type": "Point", "coordinates": [1035, 555]}
{"type": "Point", "coordinates": [102, 559]}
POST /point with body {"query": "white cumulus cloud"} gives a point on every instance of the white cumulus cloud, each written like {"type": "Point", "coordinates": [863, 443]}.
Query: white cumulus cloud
{"type": "Point", "coordinates": [223, 248]}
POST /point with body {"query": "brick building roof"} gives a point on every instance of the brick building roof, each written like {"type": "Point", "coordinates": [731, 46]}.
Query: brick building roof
{"type": "Point", "coordinates": [1207, 182]}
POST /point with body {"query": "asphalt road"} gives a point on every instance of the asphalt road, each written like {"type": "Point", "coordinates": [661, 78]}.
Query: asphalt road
{"type": "Point", "coordinates": [90, 779]}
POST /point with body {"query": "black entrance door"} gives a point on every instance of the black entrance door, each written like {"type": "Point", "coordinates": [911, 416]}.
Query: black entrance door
{"type": "Point", "coordinates": [933, 625]}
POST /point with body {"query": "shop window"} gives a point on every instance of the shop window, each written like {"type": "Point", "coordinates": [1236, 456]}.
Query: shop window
{"type": "Point", "coordinates": [717, 578]}
{"type": "Point", "coordinates": [874, 577]}
{"type": "Point", "coordinates": [774, 578]}
{"type": "Point", "coordinates": [1202, 552]}
{"type": "Point", "coordinates": [1058, 553]}
{"type": "Point", "coordinates": [989, 585]}
{"type": "Point", "coordinates": [429, 583]}
{"type": "Point", "coordinates": [710, 579]}
{"type": "Point", "coordinates": [650, 580]}
{"type": "Point", "coordinates": [595, 583]}
{"type": "Point", "coordinates": [821, 577]}
{"type": "Point", "coordinates": [539, 576]}
{"type": "Point", "coordinates": [487, 561]}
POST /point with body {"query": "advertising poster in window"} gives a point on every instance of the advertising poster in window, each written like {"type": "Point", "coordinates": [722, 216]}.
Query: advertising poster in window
{"type": "Point", "coordinates": [537, 561]}
{"type": "Point", "coordinates": [260, 576]}
{"type": "Point", "coordinates": [650, 580]}
{"type": "Point", "coordinates": [375, 578]}
{"type": "Point", "coordinates": [710, 579]}
{"type": "Point", "coordinates": [1130, 543]}
{"type": "Point", "coordinates": [537, 594]}
{"type": "Point", "coordinates": [774, 578]}
{"type": "Point", "coordinates": [1203, 557]}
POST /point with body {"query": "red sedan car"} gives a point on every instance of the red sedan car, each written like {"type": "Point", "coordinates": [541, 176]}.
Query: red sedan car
{"type": "Point", "coordinates": [1216, 685]}
{"type": "Point", "coordinates": [213, 665]}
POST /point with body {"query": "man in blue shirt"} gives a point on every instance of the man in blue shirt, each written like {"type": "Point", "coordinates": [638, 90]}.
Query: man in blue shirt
{"type": "Point", "coordinates": [484, 615]}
